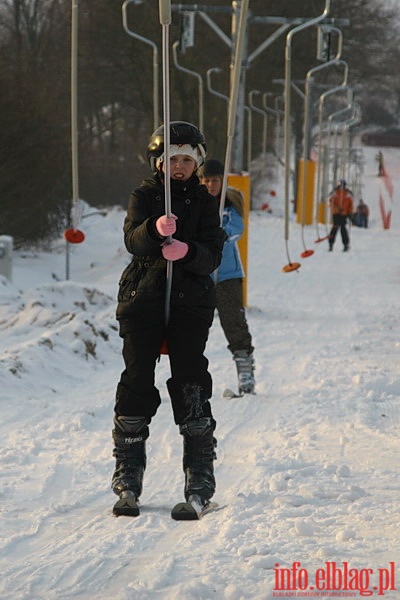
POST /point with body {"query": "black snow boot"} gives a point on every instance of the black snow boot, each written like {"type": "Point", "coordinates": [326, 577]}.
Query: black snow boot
{"type": "Point", "coordinates": [129, 436]}
{"type": "Point", "coordinates": [198, 456]}
{"type": "Point", "coordinates": [245, 370]}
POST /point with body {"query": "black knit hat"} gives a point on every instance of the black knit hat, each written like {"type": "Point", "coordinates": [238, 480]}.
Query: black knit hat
{"type": "Point", "coordinates": [212, 167]}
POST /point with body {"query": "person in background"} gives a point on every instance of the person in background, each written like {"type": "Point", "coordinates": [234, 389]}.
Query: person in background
{"type": "Point", "coordinates": [192, 239]}
{"type": "Point", "coordinates": [381, 165]}
{"type": "Point", "coordinates": [341, 203]}
{"type": "Point", "coordinates": [230, 275]}
{"type": "Point", "coordinates": [362, 215]}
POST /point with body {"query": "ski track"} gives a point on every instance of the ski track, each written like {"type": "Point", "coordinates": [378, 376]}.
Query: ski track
{"type": "Point", "coordinates": [307, 469]}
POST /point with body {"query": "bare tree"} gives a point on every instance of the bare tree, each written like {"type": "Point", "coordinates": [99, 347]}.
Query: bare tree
{"type": "Point", "coordinates": [115, 92]}
{"type": "Point", "coordinates": [33, 148]}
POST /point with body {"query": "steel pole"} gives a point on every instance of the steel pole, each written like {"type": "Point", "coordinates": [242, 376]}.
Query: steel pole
{"type": "Point", "coordinates": [165, 20]}
{"type": "Point", "coordinates": [199, 81]}
{"type": "Point", "coordinates": [288, 84]}
{"type": "Point", "coordinates": [155, 60]}
{"type": "Point", "coordinates": [234, 96]}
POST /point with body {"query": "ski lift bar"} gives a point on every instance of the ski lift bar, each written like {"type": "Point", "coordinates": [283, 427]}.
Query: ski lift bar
{"type": "Point", "coordinates": [155, 59]}
{"type": "Point", "coordinates": [288, 67]}
{"type": "Point", "coordinates": [306, 131]}
{"type": "Point", "coordinates": [199, 78]}
{"type": "Point", "coordinates": [234, 96]}
{"type": "Point", "coordinates": [165, 20]}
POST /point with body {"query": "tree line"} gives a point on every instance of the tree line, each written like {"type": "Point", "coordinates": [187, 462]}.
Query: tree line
{"type": "Point", "coordinates": [115, 94]}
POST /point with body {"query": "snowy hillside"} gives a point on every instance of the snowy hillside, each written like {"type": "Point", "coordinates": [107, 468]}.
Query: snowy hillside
{"type": "Point", "coordinates": [307, 469]}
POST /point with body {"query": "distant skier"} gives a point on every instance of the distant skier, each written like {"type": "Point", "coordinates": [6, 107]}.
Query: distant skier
{"type": "Point", "coordinates": [230, 307]}
{"type": "Point", "coordinates": [195, 251]}
{"type": "Point", "coordinates": [361, 216]}
{"type": "Point", "coordinates": [381, 166]}
{"type": "Point", "coordinates": [341, 203]}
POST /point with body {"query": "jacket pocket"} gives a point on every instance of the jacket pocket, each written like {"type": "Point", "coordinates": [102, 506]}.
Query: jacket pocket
{"type": "Point", "coordinates": [129, 282]}
{"type": "Point", "coordinates": [141, 287]}
{"type": "Point", "coordinates": [197, 296]}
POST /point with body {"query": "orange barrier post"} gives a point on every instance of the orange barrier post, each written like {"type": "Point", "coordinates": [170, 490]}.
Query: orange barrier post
{"type": "Point", "coordinates": [242, 182]}
{"type": "Point", "coordinates": [305, 215]}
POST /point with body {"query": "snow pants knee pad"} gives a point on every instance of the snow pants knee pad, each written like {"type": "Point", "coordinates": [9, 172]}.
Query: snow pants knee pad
{"type": "Point", "coordinates": [190, 401]}
{"type": "Point", "coordinates": [129, 435]}
{"type": "Point", "coordinates": [199, 446]}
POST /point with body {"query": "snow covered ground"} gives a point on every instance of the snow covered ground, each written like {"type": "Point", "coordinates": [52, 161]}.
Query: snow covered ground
{"type": "Point", "coordinates": [307, 470]}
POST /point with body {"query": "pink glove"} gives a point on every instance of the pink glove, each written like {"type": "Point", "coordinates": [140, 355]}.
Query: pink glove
{"type": "Point", "coordinates": [175, 250]}
{"type": "Point", "coordinates": [166, 225]}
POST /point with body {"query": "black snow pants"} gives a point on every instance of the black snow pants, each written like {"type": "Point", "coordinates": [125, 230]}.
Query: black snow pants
{"type": "Point", "coordinates": [190, 385]}
{"type": "Point", "coordinates": [339, 222]}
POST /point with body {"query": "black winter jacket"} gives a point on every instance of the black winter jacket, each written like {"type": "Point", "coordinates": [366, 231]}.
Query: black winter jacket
{"type": "Point", "coordinates": [142, 287]}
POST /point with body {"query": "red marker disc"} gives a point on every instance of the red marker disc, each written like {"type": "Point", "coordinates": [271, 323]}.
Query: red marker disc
{"type": "Point", "coordinates": [307, 253]}
{"type": "Point", "coordinates": [74, 236]}
{"type": "Point", "coordinates": [291, 267]}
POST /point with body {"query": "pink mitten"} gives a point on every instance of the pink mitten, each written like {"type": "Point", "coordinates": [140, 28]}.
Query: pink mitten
{"type": "Point", "coordinates": [166, 225]}
{"type": "Point", "coordinates": [175, 250]}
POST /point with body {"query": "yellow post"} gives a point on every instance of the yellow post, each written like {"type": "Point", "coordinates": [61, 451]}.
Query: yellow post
{"type": "Point", "coordinates": [322, 212]}
{"type": "Point", "coordinates": [242, 182]}
{"type": "Point", "coordinates": [307, 217]}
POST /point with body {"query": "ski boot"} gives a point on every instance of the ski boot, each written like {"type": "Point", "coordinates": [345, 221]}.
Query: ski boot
{"type": "Point", "coordinates": [129, 436]}
{"type": "Point", "coordinates": [198, 456]}
{"type": "Point", "coordinates": [245, 369]}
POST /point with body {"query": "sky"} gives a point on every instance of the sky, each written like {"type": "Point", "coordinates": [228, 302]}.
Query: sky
{"type": "Point", "coordinates": [307, 471]}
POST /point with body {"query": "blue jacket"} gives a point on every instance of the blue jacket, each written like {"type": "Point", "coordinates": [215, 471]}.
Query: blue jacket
{"type": "Point", "coordinates": [231, 265]}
